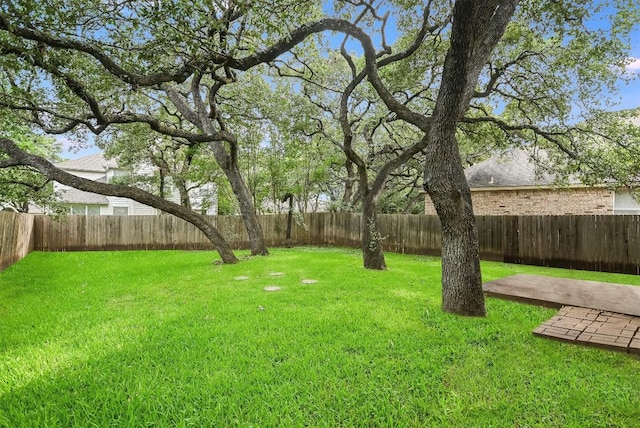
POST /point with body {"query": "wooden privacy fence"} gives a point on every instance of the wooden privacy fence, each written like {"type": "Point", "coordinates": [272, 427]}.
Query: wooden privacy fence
{"type": "Point", "coordinates": [16, 237]}
{"type": "Point", "coordinates": [88, 233]}
{"type": "Point", "coordinates": [601, 243]}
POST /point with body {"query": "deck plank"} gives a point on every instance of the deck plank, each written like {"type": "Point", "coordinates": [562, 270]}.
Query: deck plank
{"type": "Point", "coordinates": [558, 292]}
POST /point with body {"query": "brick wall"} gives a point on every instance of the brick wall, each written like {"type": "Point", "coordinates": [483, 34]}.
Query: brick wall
{"type": "Point", "coordinates": [574, 201]}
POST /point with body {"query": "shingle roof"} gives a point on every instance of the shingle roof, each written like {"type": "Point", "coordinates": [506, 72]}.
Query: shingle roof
{"type": "Point", "coordinates": [513, 168]}
{"type": "Point", "coordinates": [635, 120]}
{"type": "Point", "coordinates": [94, 163]}
{"type": "Point", "coordinates": [75, 196]}
{"type": "Point", "coordinates": [516, 168]}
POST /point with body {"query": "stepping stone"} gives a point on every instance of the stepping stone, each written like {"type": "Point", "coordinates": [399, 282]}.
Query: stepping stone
{"type": "Point", "coordinates": [309, 281]}
{"type": "Point", "coordinates": [276, 274]}
{"type": "Point", "coordinates": [272, 288]}
{"type": "Point", "coordinates": [241, 278]}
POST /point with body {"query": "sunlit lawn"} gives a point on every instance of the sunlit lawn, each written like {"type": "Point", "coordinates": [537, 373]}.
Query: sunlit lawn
{"type": "Point", "coordinates": [171, 339]}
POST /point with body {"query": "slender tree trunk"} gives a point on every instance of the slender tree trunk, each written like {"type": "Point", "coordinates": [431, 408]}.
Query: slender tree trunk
{"type": "Point", "coordinates": [247, 210]}
{"type": "Point", "coordinates": [227, 159]}
{"type": "Point", "coordinates": [285, 198]}
{"type": "Point", "coordinates": [347, 203]}
{"type": "Point", "coordinates": [162, 183]}
{"type": "Point", "coordinates": [229, 165]}
{"type": "Point", "coordinates": [372, 252]}
{"type": "Point", "coordinates": [185, 200]}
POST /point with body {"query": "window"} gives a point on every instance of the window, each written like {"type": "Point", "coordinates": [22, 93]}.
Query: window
{"type": "Point", "coordinates": [625, 203]}
{"type": "Point", "coordinates": [93, 210]}
{"type": "Point", "coordinates": [120, 210]}
{"type": "Point", "coordinates": [78, 209]}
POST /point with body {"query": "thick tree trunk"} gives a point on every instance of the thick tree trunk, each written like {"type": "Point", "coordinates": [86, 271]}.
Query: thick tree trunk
{"type": "Point", "coordinates": [446, 184]}
{"type": "Point", "coordinates": [48, 169]}
{"type": "Point", "coordinates": [461, 278]}
{"type": "Point", "coordinates": [372, 252]}
{"type": "Point", "coordinates": [477, 27]}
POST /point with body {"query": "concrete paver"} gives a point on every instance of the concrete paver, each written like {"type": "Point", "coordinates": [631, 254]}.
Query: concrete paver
{"type": "Point", "coordinates": [592, 327]}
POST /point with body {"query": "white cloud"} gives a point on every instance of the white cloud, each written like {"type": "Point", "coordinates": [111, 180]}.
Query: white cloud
{"type": "Point", "coordinates": [634, 65]}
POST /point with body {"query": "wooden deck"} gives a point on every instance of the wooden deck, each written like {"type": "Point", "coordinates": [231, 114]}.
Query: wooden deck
{"type": "Point", "coordinates": [599, 314]}
{"type": "Point", "coordinates": [558, 292]}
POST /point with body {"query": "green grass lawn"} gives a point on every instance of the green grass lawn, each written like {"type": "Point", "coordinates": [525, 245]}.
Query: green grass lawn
{"type": "Point", "coordinates": [168, 338]}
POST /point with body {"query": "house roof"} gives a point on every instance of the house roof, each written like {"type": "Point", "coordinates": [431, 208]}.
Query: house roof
{"type": "Point", "coordinates": [517, 168]}
{"type": "Point", "coordinates": [513, 168]}
{"type": "Point", "coordinates": [75, 196]}
{"type": "Point", "coordinates": [92, 163]}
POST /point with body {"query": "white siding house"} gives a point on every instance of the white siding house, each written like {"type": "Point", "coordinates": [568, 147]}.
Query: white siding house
{"type": "Point", "coordinates": [98, 168]}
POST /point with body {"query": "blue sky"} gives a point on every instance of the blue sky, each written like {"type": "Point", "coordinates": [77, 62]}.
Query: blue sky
{"type": "Point", "coordinates": [71, 150]}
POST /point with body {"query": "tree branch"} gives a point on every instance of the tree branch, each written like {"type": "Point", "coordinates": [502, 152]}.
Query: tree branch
{"type": "Point", "coordinates": [180, 103]}
{"type": "Point", "coordinates": [551, 136]}
{"type": "Point", "coordinates": [34, 187]}
{"type": "Point", "coordinates": [178, 76]}
{"type": "Point", "coordinates": [20, 157]}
